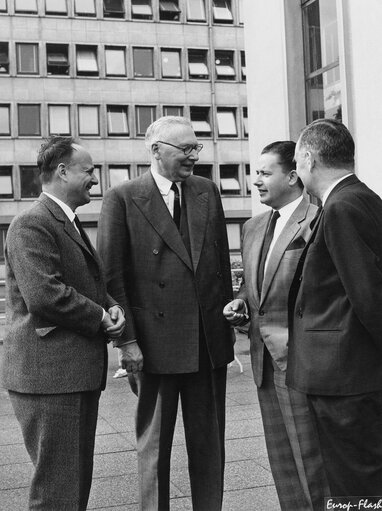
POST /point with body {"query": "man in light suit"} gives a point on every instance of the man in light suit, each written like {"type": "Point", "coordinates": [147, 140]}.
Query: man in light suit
{"type": "Point", "coordinates": [272, 244]}
{"type": "Point", "coordinates": [335, 306]}
{"type": "Point", "coordinates": [163, 240]}
{"type": "Point", "coordinates": [55, 357]}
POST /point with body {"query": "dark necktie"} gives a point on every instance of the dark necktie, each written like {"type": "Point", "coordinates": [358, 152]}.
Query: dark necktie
{"type": "Point", "coordinates": [176, 216]}
{"type": "Point", "coordinates": [265, 249]}
{"type": "Point", "coordinates": [316, 216]}
{"type": "Point", "coordinates": [82, 233]}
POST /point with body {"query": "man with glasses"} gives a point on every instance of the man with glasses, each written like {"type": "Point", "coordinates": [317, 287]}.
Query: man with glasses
{"type": "Point", "coordinates": [163, 240]}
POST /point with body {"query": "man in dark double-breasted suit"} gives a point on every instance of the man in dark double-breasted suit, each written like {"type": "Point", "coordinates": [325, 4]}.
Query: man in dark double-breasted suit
{"type": "Point", "coordinates": [55, 357]}
{"type": "Point", "coordinates": [163, 240]}
{"type": "Point", "coordinates": [272, 245]}
{"type": "Point", "coordinates": [335, 352]}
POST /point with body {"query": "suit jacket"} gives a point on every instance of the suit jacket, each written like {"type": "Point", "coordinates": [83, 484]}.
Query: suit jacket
{"type": "Point", "coordinates": [335, 301]}
{"type": "Point", "coordinates": [162, 286]}
{"type": "Point", "coordinates": [55, 294]}
{"type": "Point", "coordinates": [269, 314]}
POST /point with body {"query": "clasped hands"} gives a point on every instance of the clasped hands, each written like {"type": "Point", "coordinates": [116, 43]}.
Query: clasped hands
{"type": "Point", "coordinates": [113, 323]}
{"type": "Point", "coordinates": [236, 312]}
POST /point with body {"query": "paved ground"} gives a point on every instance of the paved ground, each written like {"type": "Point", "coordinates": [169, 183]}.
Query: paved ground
{"type": "Point", "coordinates": [248, 481]}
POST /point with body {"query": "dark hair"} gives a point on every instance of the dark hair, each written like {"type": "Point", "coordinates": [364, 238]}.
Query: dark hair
{"type": "Point", "coordinates": [285, 150]}
{"type": "Point", "coordinates": [53, 151]}
{"type": "Point", "coordinates": [331, 140]}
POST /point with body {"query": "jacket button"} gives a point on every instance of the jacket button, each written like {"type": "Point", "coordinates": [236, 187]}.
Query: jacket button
{"type": "Point", "coordinates": [161, 284]}
{"type": "Point", "coordinates": [299, 313]}
{"type": "Point", "coordinates": [219, 274]}
{"type": "Point", "coordinates": [161, 314]}
{"type": "Point", "coordinates": [155, 251]}
{"type": "Point", "coordinates": [261, 312]}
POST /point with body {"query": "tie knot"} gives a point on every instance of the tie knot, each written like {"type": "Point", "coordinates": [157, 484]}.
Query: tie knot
{"type": "Point", "coordinates": [275, 215]}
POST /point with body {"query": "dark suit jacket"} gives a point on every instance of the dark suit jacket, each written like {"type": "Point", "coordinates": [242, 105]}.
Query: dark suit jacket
{"type": "Point", "coordinates": [336, 302]}
{"type": "Point", "coordinates": [269, 316]}
{"type": "Point", "coordinates": [55, 294]}
{"type": "Point", "coordinates": [150, 272]}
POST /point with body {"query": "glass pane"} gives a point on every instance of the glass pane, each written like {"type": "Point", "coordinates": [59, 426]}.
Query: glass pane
{"type": "Point", "coordinates": [196, 10]}
{"type": "Point", "coordinates": [198, 69]}
{"type": "Point", "coordinates": [88, 120]}
{"type": "Point", "coordinates": [113, 8]}
{"type": "Point", "coordinates": [118, 174]}
{"type": "Point", "coordinates": [227, 123]}
{"type": "Point", "coordinates": [145, 115]}
{"type": "Point", "coordinates": [29, 120]}
{"type": "Point", "coordinates": [4, 120]}
{"type": "Point", "coordinates": [6, 185]}
{"type": "Point", "coordinates": [87, 61]}
{"type": "Point", "coordinates": [171, 64]}
{"type": "Point", "coordinates": [241, 11]}
{"type": "Point", "coordinates": [248, 179]}
{"type": "Point", "coordinates": [203, 170]}
{"type": "Point", "coordinates": [30, 181]}
{"type": "Point", "coordinates": [324, 96]}
{"type": "Point", "coordinates": [141, 169]}
{"type": "Point", "coordinates": [55, 6]}
{"type": "Point", "coordinates": [27, 58]}
{"type": "Point", "coordinates": [96, 190]}
{"type": "Point", "coordinates": [143, 62]}
{"type": "Point", "coordinates": [141, 8]}
{"type": "Point", "coordinates": [85, 7]}
{"type": "Point", "coordinates": [173, 110]}
{"type": "Point", "coordinates": [117, 120]}
{"type": "Point", "coordinates": [26, 6]}
{"type": "Point", "coordinates": [229, 180]}
{"type": "Point", "coordinates": [115, 62]}
{"type": "Point", "coordinates": [3, 5]}
{"type": "Point", "coordinates": [233, 232]}
{"type": "Point", "coordinates": [59, 120]}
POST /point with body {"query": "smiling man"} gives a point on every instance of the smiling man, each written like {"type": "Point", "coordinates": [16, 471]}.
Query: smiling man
{"type": "Point", "coordinates": [55, 356]}
{"type": "Point", "coordinates": [272, 245]}
{"type": "Point", "coordinates": [163, 239]}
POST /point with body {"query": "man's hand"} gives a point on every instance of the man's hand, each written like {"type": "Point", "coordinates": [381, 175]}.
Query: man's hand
{"type": "Point", "coordinates": [236, 312]}
{"type": "Point", "coordinates": [132, 358]}
{"type": "Point", "coordinates": [114, 322]}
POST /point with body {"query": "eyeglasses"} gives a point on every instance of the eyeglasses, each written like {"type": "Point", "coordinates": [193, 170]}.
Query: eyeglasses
{"type": "Point", "coordinates": [187, 149]}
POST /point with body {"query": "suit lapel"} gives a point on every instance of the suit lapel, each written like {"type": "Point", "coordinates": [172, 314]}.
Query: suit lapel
{"type": "Point", "coordinates": [255, 242]}
{"type": "Point", "coordinates": [151, 204]}
{"type": "Point", "coordinates": [197, 213]}
{"type": "Point", "coordinates": [289, 232]}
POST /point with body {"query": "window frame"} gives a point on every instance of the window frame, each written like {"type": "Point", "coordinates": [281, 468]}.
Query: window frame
{"type": "Point", "coordinates": [118, 166]}
{"type": "Point", "coordinates": [224, 117]}
{"type": "Point", "coordinates": [228, 57]}
{"type": "Point", "coordinates": [3, 174]}
{"type": "Point", "coordinates": [64, 64]}
{"type": "Point", "coordinates": [4, 57]}
{"type": "Point", "coordinates": [81, 108]}
{"type": "Point", "coordinates": [171, 51]}
{"type": "Point", "coordinates": [87, 48]}
{"type": "Point", "coordinates": [121, 49]}
{"type": "Point", "coordinates": [35, 181]}
{"type": "Point", "coordinates": [204, 114]}
{"type": "Point", "coordinates": [26, 11]}
{"type": "Point", "coordinates": [85, 13]}
{"type": "Point", "coordinates": [37, 107]}
{"type": "Point", "coordinates": [36, 62]}
{"type": "Point", "coordinates": [124, 110]}
{"type": "Point", "coordinates": [110, 12]}
{"type": "Point", "coordinates": [169, 10]}
{"type": "Point", "coordinates": [7, 106]}
{"type": "Point", "coordinates": [148, 49]}
{"type": "Point", "coordinates": [52, 12]}
{"type": "Point", "coordinates": [138, 131]}
{"type": "Point", "coordinates": [52, 106]}
{"type": "Point", "coordinates": [190, 18]}
{"type": "Point", "coordinates": [203, 61]}
{"type": "Point", "coordinates": [235, 190]}
{"type": "Point", "coordinates": [148, 15]}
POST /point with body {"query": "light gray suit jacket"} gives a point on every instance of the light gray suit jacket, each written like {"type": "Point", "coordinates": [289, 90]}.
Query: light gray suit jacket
{"type": "Point", "coordinates": [269, 313]}
{"type": "Point", "coordinates": [55, 294]}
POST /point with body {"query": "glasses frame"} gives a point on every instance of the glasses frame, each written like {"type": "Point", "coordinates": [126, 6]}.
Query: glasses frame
{"type": "Point", "coordinates": [194, 147]}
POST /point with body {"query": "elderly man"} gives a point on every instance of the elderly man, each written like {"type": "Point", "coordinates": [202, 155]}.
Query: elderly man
{"type": "Point", "coordinates": [335, 353]}
{"type": "Point", "coordinates": [163, 240]}
{"type": "Point", "coordinates": [272, 244]}
{"type": "Point", "coordinates": [55, 356]}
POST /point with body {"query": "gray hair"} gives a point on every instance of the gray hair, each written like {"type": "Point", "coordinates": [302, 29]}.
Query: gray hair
{"type": "Point", "coordinates": [158, 129]}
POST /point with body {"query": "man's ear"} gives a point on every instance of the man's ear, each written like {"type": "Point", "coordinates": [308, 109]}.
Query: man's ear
{"type": "Point", "coordinates": [62, 171]}
{"type": "Point", "coordinates": [155, 151]}
{"type": "Point", "coordinates": [293, 177]}
{"type": "Point", "coordinates": [310, 160]}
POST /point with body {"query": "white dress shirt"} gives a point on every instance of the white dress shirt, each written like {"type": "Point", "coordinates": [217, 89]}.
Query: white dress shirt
{"type": "Point", "coordinates": [332, 186]}
{"type": "Point", "coordinates": [164, 186]}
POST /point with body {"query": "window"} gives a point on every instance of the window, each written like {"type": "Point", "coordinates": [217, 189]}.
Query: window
{"type": "Point", "coordinates": [30, 181]}
{"type": "Point", "coordinates": [87, 64]}
{"type": "Point", "coordinates": [118, 174]}
{"type": "Point", "coordinates": [203, 171]}
{"type": "Point", "coordinates": [222, 11]}
{"type": "Point", "coordinates": [27, 58]}
{"type": "Point", "coordinates": [241, 12]}
{"type": "Point", "coordinates": [26, 6]}
{"type": "Point", "coordinates": [169, 10]}
{"type": "Point", "coordinates": [229, 180]}
{"type": "Point", "coordinates": [243, 66]}
{"type": "Point", "coordinates": [141, 169]}
{"type": "Point", "coordinates": [143, 62]}
{"type": "Point", "coordinates": [171, 64]}
{"type": "Point", "coordinates": [117, 120]}
{"type": "Point", "coordinates": [196, 10]}
{"type": "Point", "coordinates": [96, 190]}
{"type": "Point", "coordinates": [226, 118]}
{"type": "Point", "coordinates": [234, 236]}
{"type": "Point", "coordinates": [84, 7]}
{"type": "Point", "coordinates": [113, 9]}
{"type": "Point", "coordinates": [115, 61]}
{"type": "Point", "coordinates": [173, 110]}
{"type": "Point", "coordinates": [200, 120]}
{"type": "Point", "coordinates": [5, 120]}
{"type": "Point", "coordinates": [57, 59]}
{"type": "Point", "coordinates": [144, 116]}
{"type": "Point", "coordinates": [245, 122]}
{"type": "Point", "coordinates": [248, 179]}
{"type": "Point", "coordinates": [225, 69]}
{"type": "Point", "coordinates": [4, 59]}
{"type": "Point", "coordinates": [56, 7]}
{"type": "Point", "coordinates": [29, 120]}
{"type": "Point", "coordinates": [3, 5]}
{"type": "Point", "coordinates": [88, 120]}
{"type": "Point", "coordinates": [322, 71]}
{"type": "Point", "coordinates": [197, 64]}
{"type": "Point", "coordinates": [141, 9]}
{"type": "Point", "coordinates": [6, 182]}
{"type": "Point", "coordinates": [59, 119]}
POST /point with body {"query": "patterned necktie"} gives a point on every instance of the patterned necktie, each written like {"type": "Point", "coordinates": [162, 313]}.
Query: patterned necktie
{"type": "Point", "coordinates": [265, 249]}
{"type": "Point", "coordinates": [82, 233]}
{"type": "Point", "coordinates": [175, 189]}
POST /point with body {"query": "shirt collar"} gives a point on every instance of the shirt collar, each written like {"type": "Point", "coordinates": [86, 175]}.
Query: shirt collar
{"type": "Point", "coordinates": [332, 186]}
{"type": "Point", "coordinates": [66, 209]}
{"type": "Point", "coordinates": [287, 210]}
{"type": "Point", "coordinates": [162, 182]}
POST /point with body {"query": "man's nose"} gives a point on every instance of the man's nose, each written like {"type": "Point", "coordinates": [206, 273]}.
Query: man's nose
{"type": "Point", "coordinates": [94, 179]}
{"type": "Point", "coordinates": [257, 181]}
{"type": "Point", "coordinates": [194, 155]}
